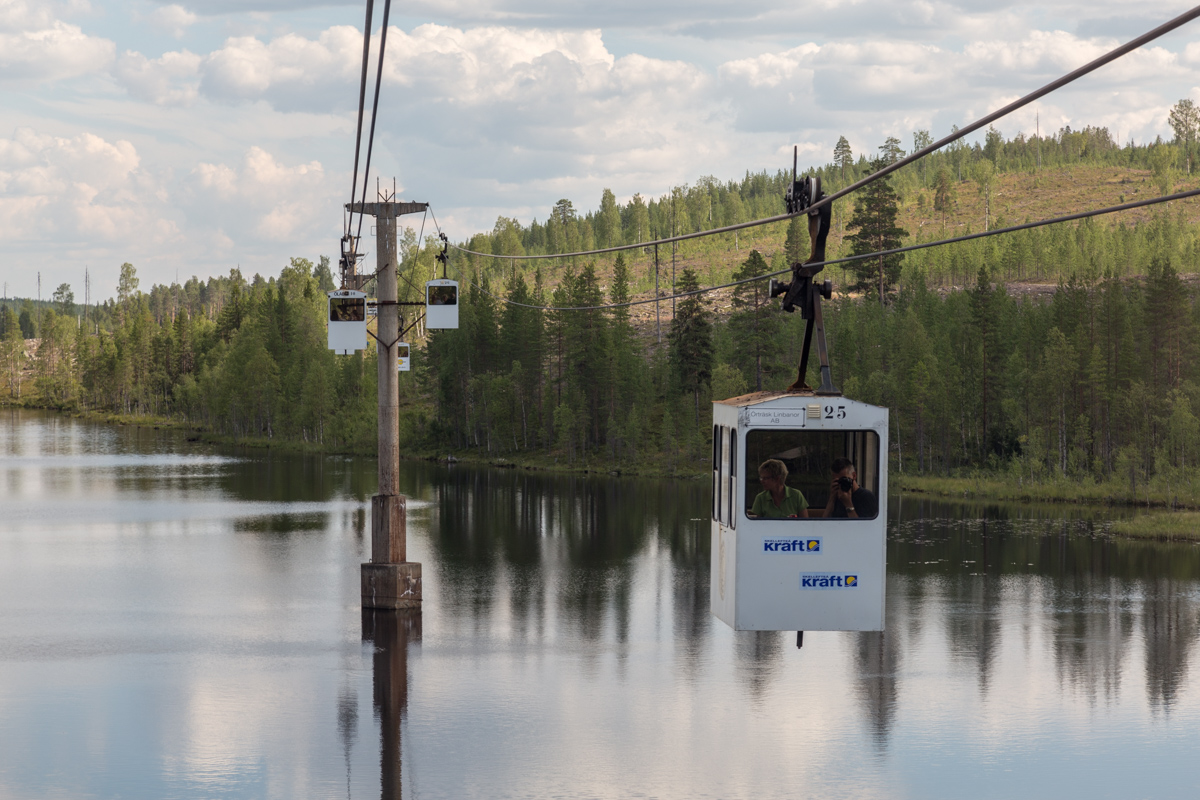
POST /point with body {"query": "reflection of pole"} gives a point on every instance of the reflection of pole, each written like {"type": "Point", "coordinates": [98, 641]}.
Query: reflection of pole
{"type": "Point", "coordinates": [390, 632]}
{"type": "Point", "coordinates": [389, 581]}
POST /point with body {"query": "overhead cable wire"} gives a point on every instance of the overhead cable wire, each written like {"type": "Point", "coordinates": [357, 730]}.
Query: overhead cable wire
{"type": "Point", "coordinates": [987, 119]}
{"type": "Point", "coordinates": [862, 257]}
{"type": "Point", "coordinates": [362, 98]}
{"type": "Point", "coordinates": [387, 8]}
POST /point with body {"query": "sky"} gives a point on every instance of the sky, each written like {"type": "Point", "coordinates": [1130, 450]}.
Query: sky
{"type": "Point", "coordinates": [190, 139]}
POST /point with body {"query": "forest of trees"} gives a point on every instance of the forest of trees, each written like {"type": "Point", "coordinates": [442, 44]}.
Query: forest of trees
{"type": "Point", "coordinates": [1095, 382]}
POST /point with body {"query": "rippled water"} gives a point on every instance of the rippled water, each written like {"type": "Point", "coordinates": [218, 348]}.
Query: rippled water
{"type": "Point", "coordinates": [182, 621]}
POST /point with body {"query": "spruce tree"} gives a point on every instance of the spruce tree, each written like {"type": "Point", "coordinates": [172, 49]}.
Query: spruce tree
{"type": "Point", "coordinates": [875, 218]}
{"type": "Point", "coordinates": [754, 324]}
{"type": "Point", "coordinates": [691, 341]}
{"type": "Point", "coordinates": [796, 245]}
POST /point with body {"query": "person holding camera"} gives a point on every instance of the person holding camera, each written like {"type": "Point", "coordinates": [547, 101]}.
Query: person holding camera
{"type": "Point", "coordinates": [848, 500]}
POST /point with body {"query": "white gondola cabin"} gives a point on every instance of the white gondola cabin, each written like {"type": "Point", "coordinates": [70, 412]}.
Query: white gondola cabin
{"type": "Point", "coordinates": [347, 321]}
{"type": "Point", "coordinates": [403, 356]}
{"type": "Point", "coordinates": [441, 304]}
{"type": "Point", "coordinates": [804, 570]}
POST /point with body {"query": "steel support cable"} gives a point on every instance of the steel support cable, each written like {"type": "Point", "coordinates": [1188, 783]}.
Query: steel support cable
{"type": "Point", "coordinates": [387, 8]}
{"type": "Point", "coordinates": [846, 259]}
{"type": "Point", "coordinates": [362, 99]}
{"type": "Point", "coordinates": [1091, 66]}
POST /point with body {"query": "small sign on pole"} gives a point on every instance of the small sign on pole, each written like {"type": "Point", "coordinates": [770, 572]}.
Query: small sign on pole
{"type": "Point", "coordinates": [402, 357]}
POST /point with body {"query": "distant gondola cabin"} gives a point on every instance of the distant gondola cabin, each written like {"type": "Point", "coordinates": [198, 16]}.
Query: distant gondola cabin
{"type": "Point", "coordinates": [441, 304]}
{"type": "Point", "coordinates": [787, 552]}
{"type": "Point", "coordinates": [347, 321]}
{"type": "Point", "coordinates": [403, 363]}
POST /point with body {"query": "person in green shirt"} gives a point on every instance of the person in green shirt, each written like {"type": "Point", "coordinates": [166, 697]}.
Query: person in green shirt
{"type": "Point", "coordinates": [778, 501]}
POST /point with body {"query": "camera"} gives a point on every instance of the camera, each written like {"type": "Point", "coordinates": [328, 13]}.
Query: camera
{"type": "Point", "coordinates": [845, 483]}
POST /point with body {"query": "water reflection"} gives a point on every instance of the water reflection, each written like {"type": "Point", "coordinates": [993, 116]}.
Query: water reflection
{"type": "Point", "coordinates": [876, 669]}
{"type": "Point", "coordinates": [391, 633]}
{"type": "Point", "coordinates": [565, 649]}
{"type": "Point", "coordinates": [1171, 622]}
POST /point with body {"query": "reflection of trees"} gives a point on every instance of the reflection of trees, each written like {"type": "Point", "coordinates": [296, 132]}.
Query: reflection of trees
{"type": "Point", "coordinates": [877, 657]}
{"type": "Point", "coordinates": [499, 532]}
{"type": "Point", "coordinates": [294, 477]}
{"type": "Point", "coordinates": [1092, 623]}
{"type": "Point", "coordinates": [1171, 624]}
{"type": "Point", "coordinates": [973, 622]}
{"type": "Point", "coordinates": [757, 658]}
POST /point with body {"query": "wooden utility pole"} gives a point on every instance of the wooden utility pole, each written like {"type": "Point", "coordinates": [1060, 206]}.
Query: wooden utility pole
{"type": "Point", "coordinates": [388, 580]}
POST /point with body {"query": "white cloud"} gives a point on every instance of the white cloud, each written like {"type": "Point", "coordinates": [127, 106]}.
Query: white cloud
{"type": "Point", "coordinates": [263, 198]}
{"type": "Point", "coordinates": [36, 46]}
{"type": "Point", "coordinates": [171, 79]}
{"type": "Point", "coordinates": [245, 146]}
{"type": "Point", "coordinates": [75, 190]}
{"type": "Point", "coordinates": [172, 19]}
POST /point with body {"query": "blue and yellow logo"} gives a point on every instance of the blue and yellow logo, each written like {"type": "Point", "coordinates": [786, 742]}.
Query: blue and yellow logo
{"type": "Point", "coordinates": [828, 580]}
{"type": "Point", "coordinates": [791, 545]}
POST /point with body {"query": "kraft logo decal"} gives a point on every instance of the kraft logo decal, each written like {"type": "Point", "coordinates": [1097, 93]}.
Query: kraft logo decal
{"type": "Point", "coordinates": [827, 580]}
{"type": "Point", "coordinates": [791, 545]}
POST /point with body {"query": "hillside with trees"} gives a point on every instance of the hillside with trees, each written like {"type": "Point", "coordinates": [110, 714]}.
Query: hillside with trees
{"type": "Point", "coordinates": [1061, 354]}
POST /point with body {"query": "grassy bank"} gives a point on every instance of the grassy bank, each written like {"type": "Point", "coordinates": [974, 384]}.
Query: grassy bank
{"type": "Point", "coordinates": [985, 486]}
{"type": "Point", "coordinates": [1161, 526]}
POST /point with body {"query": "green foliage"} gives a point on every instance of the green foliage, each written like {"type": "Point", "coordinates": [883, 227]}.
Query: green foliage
{"type": "Point", "coordinates": [1093, 386]}
{"type": "Point", "coordinates": [64, 300]}
{"type": "Point", "coordinates": [754, 326]}
{"type": "Point", "coordinates": [691, 342]}
{"type": "Point", "coordinates": [875, 219]}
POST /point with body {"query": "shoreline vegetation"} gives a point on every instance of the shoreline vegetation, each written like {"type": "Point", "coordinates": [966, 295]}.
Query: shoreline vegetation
{"type": "Point", "coordinates": [981, 486]}
{"type": "Point", "coordinates": [1179, 526]}
{"type": "Point", "coordinates": [1057, 364]}
{"type": "Point", "coordinates": [1171, 520]}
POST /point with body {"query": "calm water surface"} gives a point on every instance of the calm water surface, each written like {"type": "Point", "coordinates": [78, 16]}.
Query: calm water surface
{"type": "Point", "coordinates": [180, 621]}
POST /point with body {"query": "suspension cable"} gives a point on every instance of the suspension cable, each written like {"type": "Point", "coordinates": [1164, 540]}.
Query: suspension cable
{"type": "Point", "coordinates": [387, 8]}
{"type": "Point", "coordinates": [987, 119]}
{"type": "Point", "coordinates": [362, 97]}
{"type": "Point", "coordinates": [846, 259]}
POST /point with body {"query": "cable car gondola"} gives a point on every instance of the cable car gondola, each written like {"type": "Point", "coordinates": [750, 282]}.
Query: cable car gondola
{"type": "Point", "coordinates": [441, 304]}
{"type": "Point", "coordinates": [347, 321]}
{"type": "Point", "coordinates": [800, 485]}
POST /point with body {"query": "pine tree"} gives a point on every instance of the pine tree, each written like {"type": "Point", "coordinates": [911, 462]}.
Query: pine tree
{"type": "Point", "coordinates": [875, 218]}
{"type": "Point", "coordinates": [1185, 122]}
{"type": "Point", "coordinates": [843, 156]}
{"type": "Point", "coordinates": [944, 194]}
{"type": "Point", "coordinates": [890, 151]}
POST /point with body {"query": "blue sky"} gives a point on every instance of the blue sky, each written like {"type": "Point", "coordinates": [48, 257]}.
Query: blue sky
{"type": "Point", "coordinates": [192, 138]}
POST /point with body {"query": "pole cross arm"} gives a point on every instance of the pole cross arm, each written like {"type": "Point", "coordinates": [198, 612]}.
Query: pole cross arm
{"type": "Point", "coordinates": [396, 209]}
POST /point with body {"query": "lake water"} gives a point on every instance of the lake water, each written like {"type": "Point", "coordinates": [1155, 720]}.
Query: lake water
{"type": "Point", "coordinates": [183, 621]}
